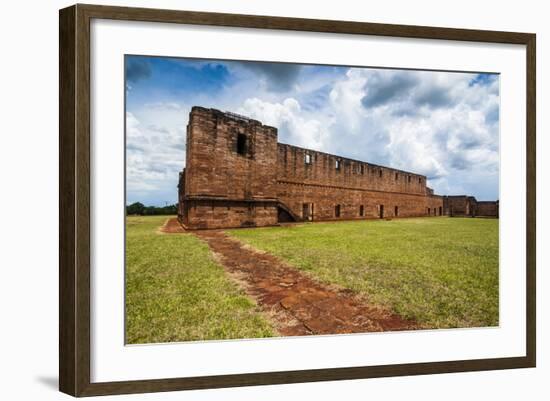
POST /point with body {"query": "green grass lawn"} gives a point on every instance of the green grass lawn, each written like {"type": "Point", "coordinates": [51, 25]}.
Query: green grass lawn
{"type": "Point", "coordinates": [442, 272]}
{"type": "Point", "coordinates": [175, 291]}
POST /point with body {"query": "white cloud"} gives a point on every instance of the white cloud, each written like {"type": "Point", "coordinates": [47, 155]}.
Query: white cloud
{"type": "Point", "coordinates": [433, 123]}
{"type": "Point", "coordinates": [287, 116]}
{"type": "Point", "coordinates": [164, 106]}
{"type": "Point", "coordinates": [155, 154]}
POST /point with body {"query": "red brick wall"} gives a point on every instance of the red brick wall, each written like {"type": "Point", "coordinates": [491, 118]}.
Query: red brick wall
{"type": "Point", "coordinates": [222, 187]}
{"type": "Point", "coordinates": [224, 214]}
{"type": "Point", "coordinates": [463, 205]}
{"type": "Point", "coordinates": [434, 206]}
{"type": "Point", "coordinates": [326, 198]}
{"type": "Point", "coordinates": [291, 167]}
{"type": "Point", "coordinates": [487, 208]}
{"type": "Point", "coordinates": [352, 184]}
{"type": "Point", "coordinates": [214, 168]}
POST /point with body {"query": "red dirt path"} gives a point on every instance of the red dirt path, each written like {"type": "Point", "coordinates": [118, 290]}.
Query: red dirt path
{"type": "Point", "coordinates": [172, 226]}
{"type": "Point", "coordinates": [297, 304]}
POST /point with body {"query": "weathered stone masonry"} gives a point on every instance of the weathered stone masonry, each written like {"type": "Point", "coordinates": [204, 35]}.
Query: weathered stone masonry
{"type": "Point", "coordinates": [463, 205]}
{"type": "Point", "coordinates": [238, 175]}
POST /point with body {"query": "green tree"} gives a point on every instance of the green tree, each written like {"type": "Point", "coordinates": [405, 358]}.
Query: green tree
{"type": "Point", "coordinates": [135, 208]}
{"type": "Point", "coordinates": [140, 209]}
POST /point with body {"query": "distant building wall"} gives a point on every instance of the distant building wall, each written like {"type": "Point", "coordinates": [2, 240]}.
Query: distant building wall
{"type": "Point", "coordinates": [460, 205]}
{"type": "Point", "coordinates": [487, 208]}
{"type": "Point", "coordinates": [468, 206]}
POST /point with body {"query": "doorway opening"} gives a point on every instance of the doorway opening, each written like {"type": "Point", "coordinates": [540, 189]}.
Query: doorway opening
{"type": "Point", "coordinates": [307, 211]}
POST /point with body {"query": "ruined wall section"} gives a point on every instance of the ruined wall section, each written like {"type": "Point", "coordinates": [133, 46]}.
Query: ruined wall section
{"type": "Point", "coordinates": [230, 175]}
{"type": "Point", "coordinates": [459, 205]}
{"type": "Point", "coordinates": [321, 186]}
{"type": "Point", "coordinates": [487, 208]}
{"type": "Point", "coordinates": [469, 206]}
{"type": "Point", "coordinates": [214, 165]}
{"type": "Point", "coordinates": [323, 202]}
{"type": "Point", "coordinates": [434, 204]}
{"type": "Point", "coordinates": [237, 175]}
{"type": "Point", "coordinates": [306, 166]}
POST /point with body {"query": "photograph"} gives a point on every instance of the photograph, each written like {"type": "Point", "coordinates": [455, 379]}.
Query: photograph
{"type": "Point", "coordinates": [268, 199]}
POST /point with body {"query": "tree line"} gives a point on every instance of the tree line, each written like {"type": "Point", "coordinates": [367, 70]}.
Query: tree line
{"type": "Point", "coordinates": [138, 208]}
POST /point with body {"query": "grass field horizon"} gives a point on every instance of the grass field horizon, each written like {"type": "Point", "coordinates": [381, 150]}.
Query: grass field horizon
{"type": "Point", "coordinates": [440, 272]}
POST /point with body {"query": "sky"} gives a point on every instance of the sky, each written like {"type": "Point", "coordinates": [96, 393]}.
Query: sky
{"type": "Point", "coordinates": [444, 125]}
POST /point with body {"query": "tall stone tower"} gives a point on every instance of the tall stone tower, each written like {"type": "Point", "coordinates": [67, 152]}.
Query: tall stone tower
{"type": "Point", "coordinates": [230, 178]}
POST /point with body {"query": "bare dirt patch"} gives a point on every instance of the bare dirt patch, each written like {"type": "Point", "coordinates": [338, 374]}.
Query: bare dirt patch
{"type": "Point", "coordinates": [172, 226]}
{"type": "Point", "coordinates": [297, 304]}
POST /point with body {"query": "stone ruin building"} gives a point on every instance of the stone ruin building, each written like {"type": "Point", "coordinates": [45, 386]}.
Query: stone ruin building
{"type": "Point", "coordinates": [238, 175]}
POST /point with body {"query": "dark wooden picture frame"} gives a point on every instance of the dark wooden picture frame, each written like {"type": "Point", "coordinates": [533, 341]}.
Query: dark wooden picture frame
{"type": "Point", "coordinates": [74, 202]}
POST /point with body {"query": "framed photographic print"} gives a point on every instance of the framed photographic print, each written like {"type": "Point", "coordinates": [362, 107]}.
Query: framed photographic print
{"type": "Point", "coordinates": [250, 200]}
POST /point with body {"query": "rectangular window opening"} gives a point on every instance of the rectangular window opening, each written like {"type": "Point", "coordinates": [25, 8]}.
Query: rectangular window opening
{"type": "Point", "coordinates": [307, 158]}
{"type": "Point", "coordinates": [337, 164]}
{"type": "Point", "coordinates": [241, 144]}
{"type": "Point", "coordinates": [337, 211]}
{"type": "Point", "coordinates": [361, 210]}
